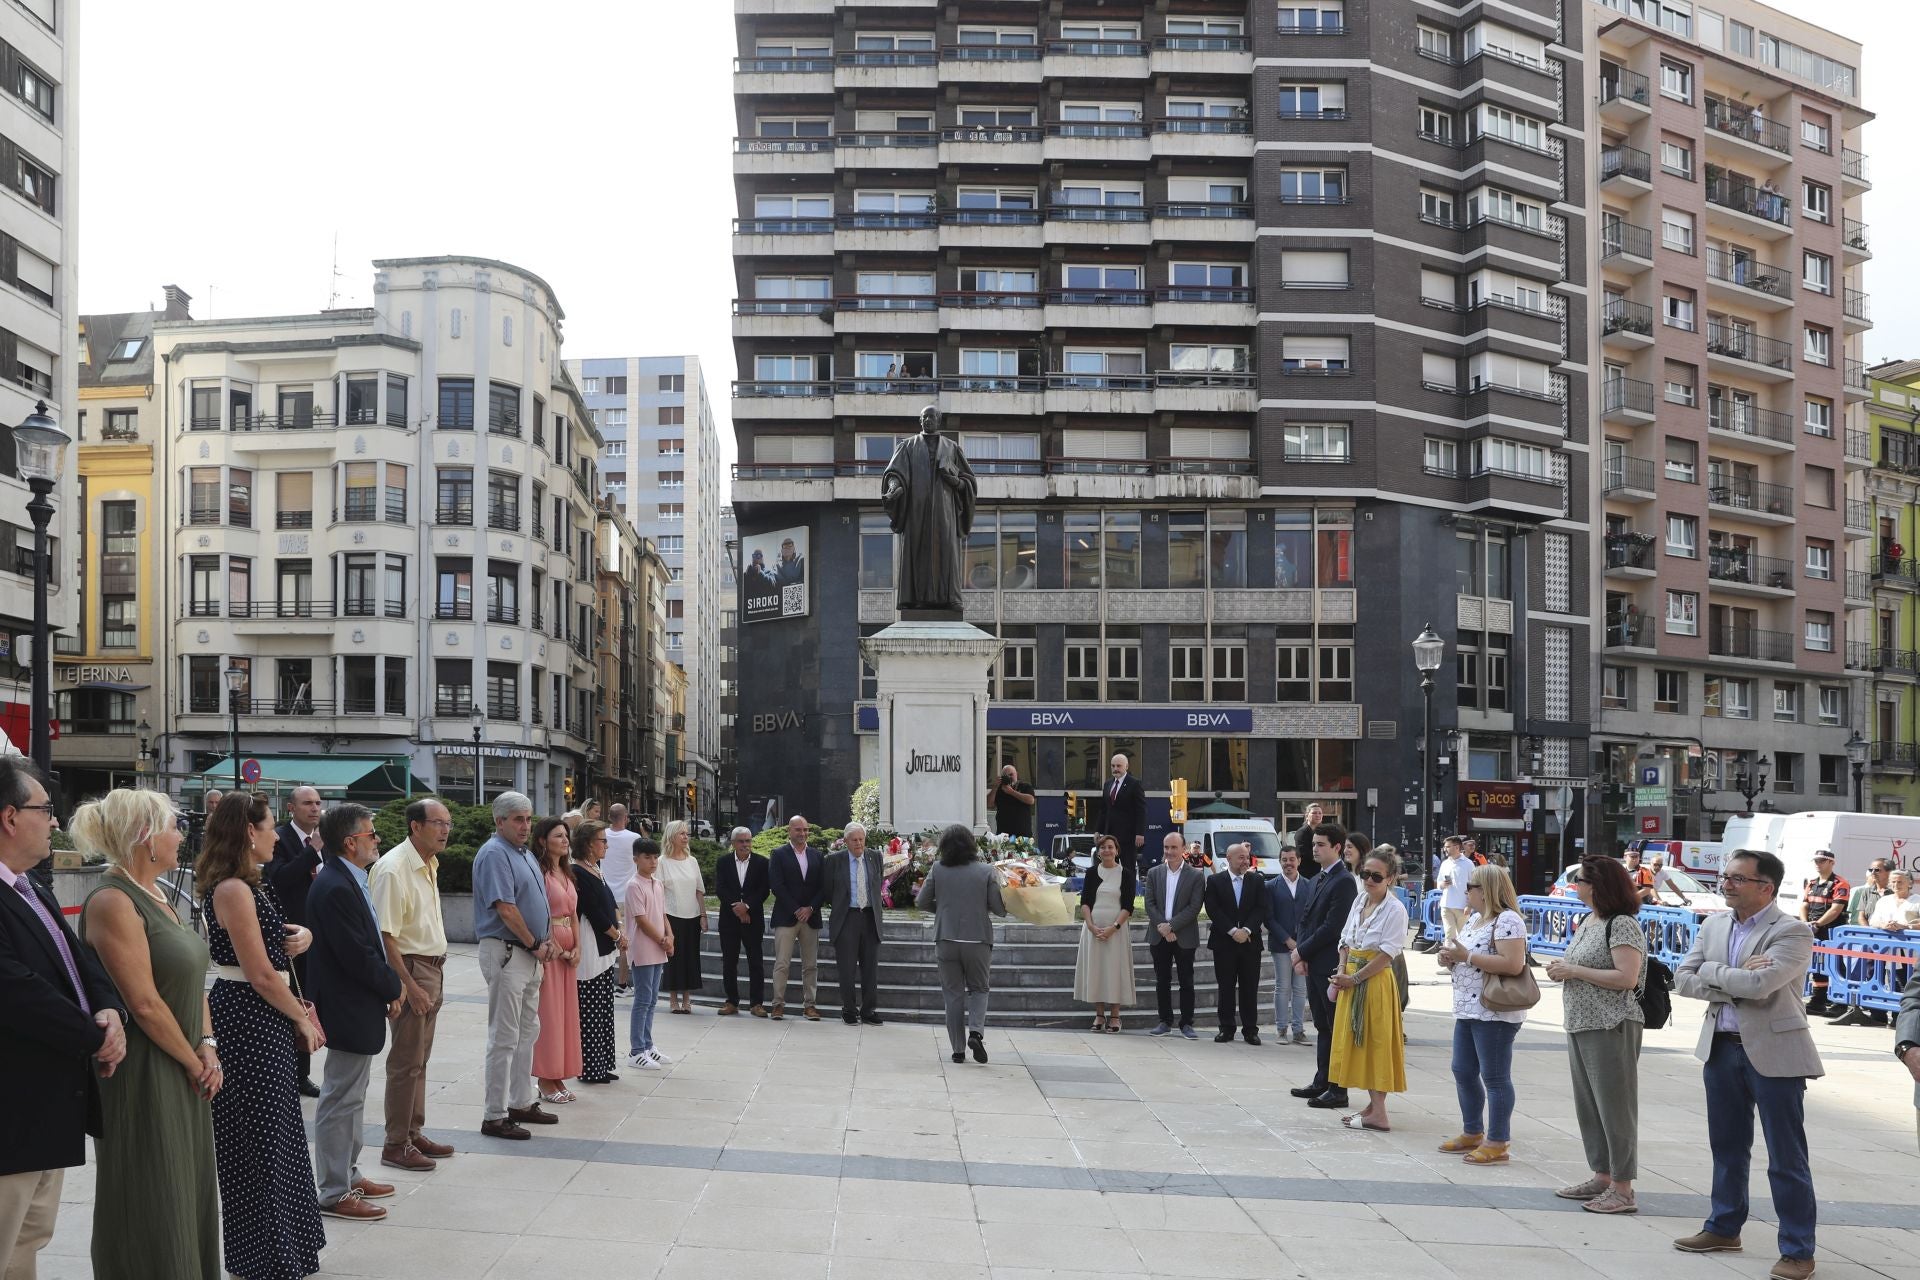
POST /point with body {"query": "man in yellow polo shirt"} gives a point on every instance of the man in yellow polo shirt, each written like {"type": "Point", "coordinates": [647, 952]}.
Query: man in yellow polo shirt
{"type": "Point", "coordinates": [406, 898]}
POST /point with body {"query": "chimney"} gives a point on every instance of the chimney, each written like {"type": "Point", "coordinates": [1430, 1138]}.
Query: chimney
{"type": "Point", "coordinates": [177, 300]}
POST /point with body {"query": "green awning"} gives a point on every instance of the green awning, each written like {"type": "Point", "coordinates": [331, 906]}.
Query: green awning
{"type": "Point", "coordinates": [335, 777]}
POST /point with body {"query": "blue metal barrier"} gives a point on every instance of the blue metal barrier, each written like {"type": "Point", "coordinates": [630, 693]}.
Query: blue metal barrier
{"type": "Point", "coordinates": [1669, 932]}
{"type": "Point", "coordinates": [1869, 983]}
{"type": "Point", "coordinates": [1432, 927]}
{"type": "Point", "coordinates": [1551, 923]}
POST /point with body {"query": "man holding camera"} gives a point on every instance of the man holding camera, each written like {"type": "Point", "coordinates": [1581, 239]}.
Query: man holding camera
{"type": "Point", "coordinates": [1012, 803]}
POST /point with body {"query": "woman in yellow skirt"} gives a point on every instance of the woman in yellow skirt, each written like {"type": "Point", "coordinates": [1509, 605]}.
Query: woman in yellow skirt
{"type": "Point", "coordinates": [1369, 1044]}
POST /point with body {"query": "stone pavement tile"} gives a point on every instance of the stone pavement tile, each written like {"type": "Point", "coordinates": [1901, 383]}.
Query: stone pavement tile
{"type": "Point", "coordinates": [812, 1164]}
{"type": "Point", "coordinates": [1285, 1220]}
{"type": "Point", "coordinates": [638, 1182]}
{"type": "Point", "coordinates": [886, 1235]}
{"type": "Point", "coordinates": [865, 1117]}
{"type": "Point", "coordinates": [1105, 1090]}
{"type": "Point", "coordinates": [810, 1140]}
{"type": "Point", "coordinates": [720, 1226]}
{"type": "Point", "coordinates": [1273, 1161]}
{"type": "Point", "coordinates": [508, 1212]}
{"type": "Point", "coordinates": [687, 1262]}
{"type": "Point", "coordinates": [1147, 1182]}
{"type": "Point", "coordinates": [642, 1126]}
{"type": "Point", "coordinates": [1088, 1209]}
{"type": "Point", "coordinates": [1204, 1253]}
{"type": "Point", "coordinates": [544, 1257]}
{"type": "Point", "coordinates": [996, 1149]}
{"type": "Point", "coordinates": [1182, 1213]}
{"type": "Point", "coordinates": [896, 1169]}
{"type": "Point", "coordinates": [1134, 1124]}
{"type": "Point", "coordinates": [867, 1098]}
{"type": "Point", "coordinates": [406, 1251]}
{"type": "Point", "coordinates": [721, 1110]}
{"type": "Point", "coordinates": [1012, 1101]}
{"type": "Point", "coordinates": [1379, 1260]}
{"type": "Point", "coordinates": [1061, 1244]}
{"type": "Point", "coordinates": [904, 1199]}
{"type": "Point", "coordinates": [1438, 1224]}
{"type": "Point", "coordinates": [612, 1218]}
{"type": "Point", "coordinates": [1873, 1246]}
{"type": "Point", "coordinates": [1151, 1157]}
{"type": "Point", "coordinates": [916, 1146]}
{"type": "Point", "coordinates": [1476, 1261]}
{"type": "Point", "coordinates": [1049, 1177]}
{"type": "Point", "coordinates": [681, 1085]}
{"type": "Point", "coordinates": [848, 1268]}
{"type": "Point", "coordinates": [1072, 1110]}
{"type": "Point", "coordinates": [981, 1124]}
{"type": "Point", "coordinates": [1609, 1233]}
{"type": "Point", "coordinates": [812, 1115]}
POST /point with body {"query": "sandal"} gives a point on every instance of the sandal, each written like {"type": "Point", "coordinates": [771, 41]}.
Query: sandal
{"type": "Point", "coordinates": [558, 1098]}
{"type": "Point", "coordinates": [1358, 1120]}
{"type": "Point", "coordinates": [1113, 1025]}
{"type": "Point", "coordinates": [1099, 1022]}
{"type": "Point", "coordinates": [1465, 1142]}
{"type": "Point", "coordinates": [1587, 1190]}
{"type": "Point", "coordinates": [1487, 1153]}
{"type": "Point", "coordinates": [1611, 1201]}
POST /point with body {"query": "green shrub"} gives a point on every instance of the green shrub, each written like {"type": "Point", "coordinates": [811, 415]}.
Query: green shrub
{"type": "Point", "coordinates": [706, 853]}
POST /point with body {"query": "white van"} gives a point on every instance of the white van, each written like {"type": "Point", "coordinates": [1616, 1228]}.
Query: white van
{"type": "Point", "coordinates": [1855, 839]}
{"type": "Point", "coordinates": [1704, 858]}
{"type": "Point", "coordinates": [1211, 836]}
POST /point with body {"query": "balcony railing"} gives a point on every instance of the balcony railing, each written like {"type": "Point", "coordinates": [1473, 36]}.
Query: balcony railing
{"type": "Point", "coordinates": [999, 134]}
{"type": "Point", "coordinates": [293, 519]}
{"type": "Point", "coordinates": [1856, 306]}
{"type": "Point", "coordinates": [780, 66]}
{"type": "Point", "coordinates": [886, 58]}
{"type": "Point", "coordinates": [1626, 394]}
{"type": "Point", "coordinates": [884, 386]}
{"type": "Point", "coordinates": [1204, 378]}
{"type": "Point", "coordinates": [1750, 643]}
{"type": "Point", "coordinates": [1100, 382]}
{"type": "Point", "coordinates": [1202, 209]}
{"type": "Point", "coordinates": [1859, 514]}
{"type": "Point", "coordinates": [781, 146]}
{"type": "Point", "coordinates": [1743, 344]}
{"type": "Point", "coordinates": [1894, 569]}
{"type": "Point", "coordinates": [1623, 84]}
{"type": "Point", "coordinates": [1203, 124]}
{"type": "Point", "coordinates": [1853, 164]}
{"type": "Point", "coordinates": [1743, 197]}
{"type": "Point", "coordinates": [1233, 44]}
{"type": "Point", "coordinates": [1856, 376]}
{"type": "Point", "coordinates": [1622, 315]}
{"type": "Point", "coordinates": [504, 516]}
{"type": "Point", "coordinates": [453, 513]}
{"type": "Point", "coordinates": [1096, 48]}
{"type": "Point", "coordinates": [990, 53]}
{"type": "Point", "coordinates": [782, 226]}
{"type": "Point", "coordinates": [453, 610]}
{"type": "Point", "coordinates": [781, 390]}
{"type": "Point", "coordinates": [1099, 297]}
{"type": "Point", "coordinates": [1096, 213]}
{"type": "Point", "coordinates": [1202, 293]}
{"type": "Point", "coordinates": [1742, 123]}
{"type": "Point", "coordinates": [1858, 586]}
{"type": "Point", "coordinates": [992, 217]}
{"type": "Point", "coordinates": [298, 420]}
{"type": "Point", "coordinates": [1733, 564]}
{"type": "Point", "coordinates": [1617, 238]}
{"type": "Point", "coordinates": [1629, 630]}
{"type": "Point", "coordinates": [1893, 755]}
{"type": "Point", "coordinates": [1748, 273]}
{"type": "Point", "coordinates": [1896, 660]}
{"type": "Point", "coordinates": [992, 383]}
{"type": "Point", "coordinates": [1752, 495]}
{"type": "Point", "coordinates": [366, 607]}
{"type": "Point", "coordinates": [1622, 472]}
{"type": "Point", "coordinates": [1856, 658]}
{"type": "Point", "coordinates": [453, 702]}
{"type": "Point", "coordinates": [1857, 446]}
{"type": "Point", "coordinates": [280, 609]}
{"type": "Point", "coordinates": [1855, 236]}
{"type": "Point", "coordinates": [919, 220]}
{"type": "Point", "coordinates": [886, 301]}
{"type": "Point", "coordinates": [1625, 162]}
{"type": "Point", "coordinates": [1749, 420]}
{"type": "Point", "coordinates": [782, 306]}
{"type": "Point", "coordinates": [1630, 551]}
{"type": "Point", "coordinates": [1096, 129]}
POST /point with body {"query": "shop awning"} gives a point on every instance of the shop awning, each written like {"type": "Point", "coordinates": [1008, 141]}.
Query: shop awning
{"type": "Point", "coordinates": [378, 778]}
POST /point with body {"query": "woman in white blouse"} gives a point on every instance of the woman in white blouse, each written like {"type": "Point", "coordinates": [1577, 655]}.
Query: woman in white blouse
{"type": "Point", "coordinates": [686, 893]}
{"type": "Point", "coordinates": [1369, 1045]}
{"type": "Point", "coordinates": [1899, 909]}
{"type": "Point", "coordinates": [1493, 940]}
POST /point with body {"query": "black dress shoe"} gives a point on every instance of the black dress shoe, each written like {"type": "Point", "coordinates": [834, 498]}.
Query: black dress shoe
{"type": "Point", "coordinates": [1310, 1091]}
{"type": "Point", "coordinates": [959, 1056]}
{"type": "Point", "coordinates": [978, 1045]}
{"type": "Point", "coordinates": [1223, 1037]}
{"type": "Point", "coordinates": [308, 1089]}
{"type": "Point", "coordinates": [850, 1021]}
{"type": "Point", "coordinates": [1331, 1100]}
{"type": "Point", "coordinates": [872, 1020]}
{"type": "Point", "coordinates": [1252, 1037]}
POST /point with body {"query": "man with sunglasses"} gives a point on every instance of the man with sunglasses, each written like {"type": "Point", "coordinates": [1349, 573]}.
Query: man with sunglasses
{"type": "Point", "coordinates": [1749, 964]}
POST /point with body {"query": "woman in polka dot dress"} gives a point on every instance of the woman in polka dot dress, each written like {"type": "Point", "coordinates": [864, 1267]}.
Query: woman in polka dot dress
{"type": "Point", "coordinates": [270, 1216]}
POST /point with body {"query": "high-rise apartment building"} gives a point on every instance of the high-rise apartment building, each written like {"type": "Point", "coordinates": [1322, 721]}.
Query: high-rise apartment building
{"type": "Point", "coordinates": [1739, 538]}
{"type": "Point", "coordinates": [1266, 336]}
{"type": "Point", "coordinates": [661, 464]}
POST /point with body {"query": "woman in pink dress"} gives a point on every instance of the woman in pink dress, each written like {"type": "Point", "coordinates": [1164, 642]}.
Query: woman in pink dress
{"type": "Point", "coordinates": [556, 1053]}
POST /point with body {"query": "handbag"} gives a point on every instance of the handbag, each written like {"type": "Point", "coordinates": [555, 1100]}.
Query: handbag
{"type": "Point", "coordinates": [1509, 992]}
{"type": "Point", "coordinates": [307, 1007]}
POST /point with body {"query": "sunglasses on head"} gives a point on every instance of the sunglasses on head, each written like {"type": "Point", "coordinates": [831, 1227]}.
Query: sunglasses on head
{"type": "Point", "coordinates": [1374, 877]}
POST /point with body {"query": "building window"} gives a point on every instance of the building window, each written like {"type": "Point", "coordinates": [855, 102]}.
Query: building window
{"type": "Point", "coordinates": [1819, 632]}
{"type": "Point", "coordinates": [1670, 691]}
{"type": "Point", "coordinates": [1833, 704]}
{"type": "Point", "coordinates": [1676, 80]}
{"type": "Point", "coordinates": [1317, 442]}
{"type": "Point", "coordinates": [1819, 417]}
{"type": "Point", "coordinates": [1676, 158]}
{"type": "Point", "coordinates": [1313, 101]}
{"type": "Point", "coordinates": [1440, 457]}
{"type": "Point", "coordinates": [1789, 770]}
{"type": "Point", "coordinates": [1228, 672]}
{"type": "Point", "coordinates": [240, 498]}
{"type": "Point", "coordinates": [1187, 670]}
{"type": "Point", "coordinates": [1786, 703]}
{"type": "Point", "coordinates": [455, 499]}
{"type": "Point", "coordinates": [1816, 201]}
{"type": "Point", "coordinates": [1436, 42]}
{"type": "Point", "coordinates": [1616, 684]}
{"type": "Point", "coordinates": [452, 686]}
{"type": "Point", "coordinates": [1819, 345]}
{"type": "Point", "coordinates": [456, 403]}
{"type": "Point", "coordinates": [1676, 230]}
{"type": "Point", "coordinates": [1833, 782]}
{"type": "Point", "coordinates": [396, 493]}
{"type": "Point", "coordinates": [1817, 271]}
{"type": "Point", "coordinates": [1683, 613]}
{"type": "Point", "coordinates": [1683, 460]}
{"type": "Point", "coordinates": [1819, 560]}
{"type": "Point", "coordinates": [35, 183]}
{"type": "Point", "coordinates": [1683, 537]}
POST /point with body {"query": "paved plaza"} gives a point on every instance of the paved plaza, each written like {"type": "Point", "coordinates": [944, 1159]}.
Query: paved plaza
{"type": "Point", "coordinates": [804, 1150]}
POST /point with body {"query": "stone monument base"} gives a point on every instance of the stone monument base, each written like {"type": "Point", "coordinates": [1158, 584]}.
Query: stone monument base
{"type": "Point", "coordinates": [932, 684]}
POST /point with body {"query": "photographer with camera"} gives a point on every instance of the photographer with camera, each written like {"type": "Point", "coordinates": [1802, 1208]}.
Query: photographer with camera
{"type": "Point", "coordinates": [1011, 801]}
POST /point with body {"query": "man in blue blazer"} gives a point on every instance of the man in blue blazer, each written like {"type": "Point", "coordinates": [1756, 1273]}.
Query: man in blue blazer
{"type": "Point", "coordinates": [1286, 894]}
{"type": "Point", "coordinates": [296, 861]}
{"type": "Point", "coordinates": [356, 991]}
{"type": "Point", "coordinates": [1317, 952]}
{"type": "Point", "coordinates": [797, 877]}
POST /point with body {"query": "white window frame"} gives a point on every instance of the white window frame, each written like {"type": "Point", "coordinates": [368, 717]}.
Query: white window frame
{"type": "Point", "coordinates": [1820, 562]}
{"type": "Point", "coordinates": [1435, 42]}
{"type": "Point", "coordinates": [1683, 537]}
{"type": "Point", "coordinates": [1676, 80]}
{"type": "Point", "coordinates": [1317, 442]}
{"type": "Point", "coordinates": [1818, 345]}
{"type": "Point", "coordinates": [1440, 455]}
{"type": "Point", "coordinates": [1819, 634]}
{"type": "Point", "coordinates": [1832, 704]}
{"type": "Point", "coordinates": [1683, 613]}
{"type": "Point", "coordinates": [1816, 200]}
{"type": "Point", "coordinates": [1786, 702]}
{"type": "Point", "coordinates": [1677, 230]}
{"type": "Point", "coordinates": [1819, 417]}
{"type": "Point", "coordinates": [1816, 272]}
{"type": "Point", "coordinates": [1676, 159]}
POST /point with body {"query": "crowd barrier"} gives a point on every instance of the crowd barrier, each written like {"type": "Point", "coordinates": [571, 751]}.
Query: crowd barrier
{"type": "Point", "coordinates": [1551, 923]}
{"type": "Point", "coordinates": [1867, 967]}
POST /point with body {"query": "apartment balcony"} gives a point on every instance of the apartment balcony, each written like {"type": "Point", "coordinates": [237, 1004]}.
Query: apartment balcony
{"type": "Point", "coordinates": [1743, 352]}
{"type": "Point", "coordinates": [1757, 211]}
{"type": "Point", "coordinates": [1857, 448]}
{"type": "Point", "coordinates": [1858, 590]}
{"type": "Point", "coordinates": [1739, 572]}
{"type": "Point", "coordinates": [1627, 169]}
{"type": "Point", "coordinates": [1626, 325]}
{"type": "Point", "coordinates": [1626, 400]}
{"type": "Point", "coordinates": [281, 617]}
{"type": "Point", "coordinates": [1747, 281]}
{"type": "Point", "coordinates": [1854, 381]}
{"type": "Point", "coordinates": [1750, 426]}
{"type": "Point", "coordinates": [806, 401]}
{"type": "Point", "coordinates": [1508, 318]}
{"type": "Point", "coordinates": [782, 318]}
{"type": "Point", "coordinates": [1545, 244]}
{"type": "Point", "coordinates": [883, 397]}
{"type": "Point", "coordinates": [1746, 139]}
{"type": "Point", "coordinates": [1855, 241]}
{"type": "Point", "coordinates": [1101, 393]}
{"type": "Point", "coordinates": [888, 150]}
{"type": "Point", "coordinates": [1096, 60]}
{"type": "Point", "coordinates": [782, 77]}
{"type": "Point", "coordinates": [1629, 630]}
{"type": "Point", "coordinates": [1626, 247]}
{"type": "Point", "coordinates": [783, 157]}
{"type": "Point", "coordinates": [1201, 56]}
{"type": "Point", "coordinates": [1191, 305]}
{"type": "Point", "coordinates": [887, 233]}
{"type": "Point", "coordinates": [1205, 391]}
{"type": "Point", "coordinates": [992, 395]}
{"type": "Point", "coordinates": [1857, 519]}
{"type": "Point", "coordinates": [993, 312]}
{"type": "Point", "coordinates": [1752, 501]}
{"type": "Point", "coordinates": [264, 714]}
{"type": "Point", "coordinates": [1013, 146]}
{"type": "Point", "coordinates": [1894, 757]}
{"type": "Point", "coordinates": [1894, 571]}
{"type": "Point", "coordinates": [1202, 137]}
{"type": "Point", "coordinates": [1626, 97]}
{"type": "Point", "coordinates": [1750, 644]}
{"type": "Point", "coordinates": [1018, 230]}
{"type": "Point", "coordinates": [1520, 493]}
{"type": "Point", "coordinates": [1631, 555]}
{"type": "Point", "coordinates": [994, 64]}
{"type": "Point", "coordinates": [1853, 172]}
{"type": "Point", "coordinates": [782, 237]}
{"type": "Point", "coordinates": [1097, 142]}
{"type": "Point", "coordinates": [1627, 479]}
{"type": "Point", "coordinates": [1856, 655]}
{"type": "Point", "coordinates": [887, 313]}
{"type": "Point", "coordinates": [1097, 224]}
{"type": "Point", "coordinates": [886, 71]}
{"type": "Point", "coordinates": [1856, 307]}
{"type": "Point", "coordinates": [1203, 222]}
{"type": "Point", "coordinates": [1099, 309]}
{"type": "Point", "coordinates": [1899, 664]}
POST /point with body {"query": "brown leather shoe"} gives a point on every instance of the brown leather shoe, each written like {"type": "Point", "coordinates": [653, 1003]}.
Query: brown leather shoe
{"type": "Point", "coordinates": [408, 1157]}
{"type": "Point", "coordinates": [1791, 1269]}
{"type": "Point", "coordinates": [813, 1014]}
{"type": "Point", "coordinates": [354, 1207]}
{"type": "Point", "coordinates": [372, 1190]}
{"type": "Point", "coordinates": [779, 1012]}
{"type": "Point", "coordinates": [503, 1129]}
{"type": "Point", "coordinates": [532, 1115]}
{"type": "Point", "coordinates": [431, 1149]}
{"type": "Point", "coordinates": [728, 1009]}
{"type": "Point", "coordinates": [1707, 1242]}
{"type": "Point", "coordinates": [758, 1011]}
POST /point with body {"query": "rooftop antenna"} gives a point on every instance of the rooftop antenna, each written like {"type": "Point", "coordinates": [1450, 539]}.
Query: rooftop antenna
{"type": "Point", "coordinates": [333, 291]}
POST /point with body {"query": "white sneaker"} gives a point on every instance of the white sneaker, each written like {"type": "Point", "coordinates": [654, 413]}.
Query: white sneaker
{"type": "Point", "coordinates": [640, 1061]}
{"type": "Point", "coordinates": [659, 1059]}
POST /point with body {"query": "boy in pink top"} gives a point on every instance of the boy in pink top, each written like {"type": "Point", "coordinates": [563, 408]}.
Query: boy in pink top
{"type": "Point", "coordinates": [647, 949]}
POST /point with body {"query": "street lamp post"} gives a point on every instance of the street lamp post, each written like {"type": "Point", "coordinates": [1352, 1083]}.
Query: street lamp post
{"type": "Point", "coordinates": [144, 761]}
{"type": "Point", "coordinates": [479, 723]}
{"type": "Point", "coordinates": [1750, 782]}
{"type": "Point", "coordinates": [236, 676]}
{"type": "Point", "coordinates": [1857, 757]}
{"type": "Point", "coordinates": [40, 450]}
{"type": "Point", "coordinates": [1428, 650]}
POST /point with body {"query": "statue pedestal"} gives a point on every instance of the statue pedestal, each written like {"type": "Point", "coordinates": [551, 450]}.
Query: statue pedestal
{"type": "Point", "coordinates": [932, 680]}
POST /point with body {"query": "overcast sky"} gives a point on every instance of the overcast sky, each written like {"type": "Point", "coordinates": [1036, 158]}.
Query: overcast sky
{"type": "Point", "coordinates": [224, 147]}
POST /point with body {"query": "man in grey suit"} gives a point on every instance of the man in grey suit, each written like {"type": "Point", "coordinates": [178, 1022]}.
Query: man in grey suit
{"type": "Point", "coordinates": [1174, 892]}
{"type": "Point", "coordinates": [1750, 965]}
{"type": "Point", "coordinates": [1906, 1037]}
{"type": "Point", "coordinates": [853, 925]}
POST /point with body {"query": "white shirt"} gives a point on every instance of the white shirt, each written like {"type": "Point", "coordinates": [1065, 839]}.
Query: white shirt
{"type": "Point", "coordinates": [1384, 930]}
{"type": "Point", "coordinates": [1891, 912]}
{"type": "Point", "coordinates": [800, 856]}
{"type": "Point", "coordinates": [1173, 884]}
{"type": "Point", "coordinates": [1236, 890]}
{"type": "Point", "coordinates": [617, 866]}
{"type": "Point", "coordinates": [740, 866]}
{"type": "Point", "coordinates": [1454, 873]}
{"type": "Point", "coordinates": [1292, 883]}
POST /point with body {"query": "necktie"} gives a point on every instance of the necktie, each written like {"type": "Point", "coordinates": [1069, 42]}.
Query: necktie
{"type": "Point", "coordinates": [853, 861]}
{"type": "Point", "coordinates": [1115, 797]}
{"type": "Point", "coordinates": [39, 909]}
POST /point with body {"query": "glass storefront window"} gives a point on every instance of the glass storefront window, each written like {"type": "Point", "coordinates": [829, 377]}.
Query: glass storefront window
{"type": "Point", "coordinates": [1186, 549]}
{"type": "Point", "coordinates": [1335, 563]}
{"type": "Point", "coordinates": [1083, 768]}
{"type": "Point", "coordinates": [1019, 551]}
{"type": "Point", "coordinates": [1122, 550]}
{"type": "Point", "coordinates": [1294, 766]}
{"type": "Point", "coordinates": [1227, 549]}
{"type": "Point", "coordinates": [1336, 764]}
{"type": "Point", "coordinates": [876, 553]}
{"type": "Point", "coordinates": [1187, 758]}
{"type": "Point", "coordinates": [1229, 770]}
{"type": "Point", "coordinates": [1293, 548]}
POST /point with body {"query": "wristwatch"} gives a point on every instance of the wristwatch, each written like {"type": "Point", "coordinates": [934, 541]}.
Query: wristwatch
{"type": "Point", "coordinates": [210, 1042]}
{"type": "Point", "coordinates": [1900, 1050]}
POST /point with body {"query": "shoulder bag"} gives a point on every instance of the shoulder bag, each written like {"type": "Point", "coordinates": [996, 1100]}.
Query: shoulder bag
{"type": "Point", "coordinates": [1509, 992]}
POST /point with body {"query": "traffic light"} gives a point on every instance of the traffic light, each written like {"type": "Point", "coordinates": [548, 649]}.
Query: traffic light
{"type": "Point", "coordinates": [1073, 810]}
{"type": "Point", "coordinates": [692, 793]}
{"type": "Point", "coordinates": [1177, 800]}
{"type": "Point", "coordinates": [567, 788]}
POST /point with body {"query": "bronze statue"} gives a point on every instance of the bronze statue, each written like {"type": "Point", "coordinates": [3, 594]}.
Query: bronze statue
{"type": "Point", "coordinates": [928, 491]}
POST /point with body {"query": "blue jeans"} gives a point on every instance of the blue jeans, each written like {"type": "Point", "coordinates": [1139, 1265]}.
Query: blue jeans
{"type": "Point", "coordinates": [1289, 997]}
{"type": "Point", "coordinates": [646, 994]}
{"type": "Point", "coordinates": [1734, 1091]}
{"type": "Point", "coordinates": [1483, 1075]}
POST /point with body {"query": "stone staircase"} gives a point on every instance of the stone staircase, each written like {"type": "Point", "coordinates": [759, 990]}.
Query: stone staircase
{"type": "Point", "coordinates": [1032, 976]}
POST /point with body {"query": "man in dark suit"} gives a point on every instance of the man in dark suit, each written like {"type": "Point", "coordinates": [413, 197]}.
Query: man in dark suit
{"type": "Point", "coordinates": [1236, 908]}
{"type": "Point", "coordinates": [1322, 916]}
{"type": "Point", "coordinates": [853, 926]}
{"type": "Point", "coordinates": [740, 880]}
{"type": "Point", "coordinates": [1286, 893]}
{"type": "Point", "coordinates": [1126, 814]}
{"type": "Point", "coordinates": [1303, 839]}
{"type": "Point", "coordinates": [798, 881]}
{"type": "Point", "coordinates": [296, 860]}
{"type": "Point", "coordinates": [1174, 892]}
{"type": "Point", "coordinates": [356, 991]}
{"type": "Point", "coordinates": [61, 1021]}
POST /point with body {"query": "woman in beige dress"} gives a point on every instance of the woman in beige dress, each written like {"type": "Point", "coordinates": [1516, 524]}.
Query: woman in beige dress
{"type": "Point", "coordinates": [1103, 971]}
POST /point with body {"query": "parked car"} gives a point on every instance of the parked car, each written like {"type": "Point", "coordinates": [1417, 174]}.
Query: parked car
{"type": "Point", "coordinates": [1672, 887]}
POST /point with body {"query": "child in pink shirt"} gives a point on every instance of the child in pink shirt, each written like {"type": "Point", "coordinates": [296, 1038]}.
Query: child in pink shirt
{"type": "Point", "coordinates": [648, 947]}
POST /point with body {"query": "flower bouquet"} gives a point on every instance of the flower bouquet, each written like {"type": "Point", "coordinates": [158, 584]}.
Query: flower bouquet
{"type": "Point", "coordinates": [1030, 893]}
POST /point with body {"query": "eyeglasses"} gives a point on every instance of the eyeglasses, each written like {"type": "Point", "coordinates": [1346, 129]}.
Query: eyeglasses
{"type": "Point", "coordinates": [1740, 882]}
{"type": "Point", "coordinates": [1374, 877]}
{"type": "Point", "coordinates": [1576, 880]}
{"type": "Point", "coordinates": [439, 822]}
{"type": "Point", "coordinates": [43, 808]}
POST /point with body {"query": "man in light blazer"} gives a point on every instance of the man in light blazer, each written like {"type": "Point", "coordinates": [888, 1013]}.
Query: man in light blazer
{"type": "Point", "coordinates": [1750, 965]}
{"type": "Point", "coordinates": [1174, 893]}
{"type": "Point", "coordinates": [853, 925]}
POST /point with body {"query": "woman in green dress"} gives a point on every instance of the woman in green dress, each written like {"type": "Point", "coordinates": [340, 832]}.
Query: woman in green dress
{"type": "Point", "coordinates": [156, 1200]}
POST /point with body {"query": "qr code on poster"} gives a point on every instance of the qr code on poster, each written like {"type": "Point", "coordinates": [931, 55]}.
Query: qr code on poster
{"type": "Point", "coordinates": [793, 599]}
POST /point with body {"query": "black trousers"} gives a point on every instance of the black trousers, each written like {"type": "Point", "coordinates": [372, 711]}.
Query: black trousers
{"type": "Point", "coordinates": [1167, 958]}
{"type": "Point", "coordinates": [857, 954]}
{"type": "Point", "coordinates": [1322, 1023]}
{"type": "Point", "coordinates": [1236, 966]}
{"type": "Point", "coordinates": [736, 937]}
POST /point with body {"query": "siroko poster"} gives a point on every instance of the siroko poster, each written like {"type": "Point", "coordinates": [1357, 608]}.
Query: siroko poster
{"type": "Point", "coordinates": [773, 575]}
